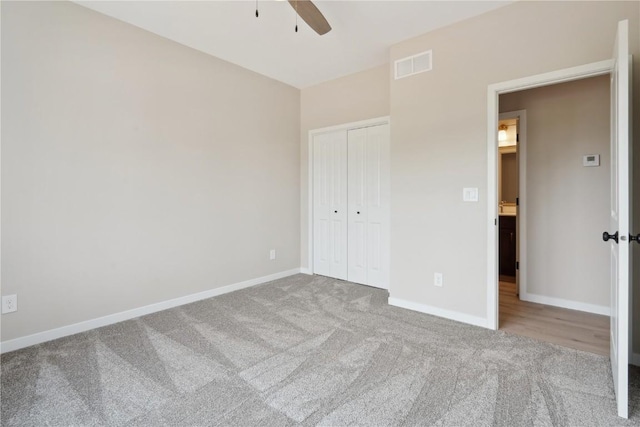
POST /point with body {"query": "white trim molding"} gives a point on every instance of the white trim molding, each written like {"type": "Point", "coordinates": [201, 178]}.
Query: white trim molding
{"type": "Point", "coordinates": [52, 334]}
{"type": "Point", "coordinates": [573, 305]}
{"type": "Point", "coordinates": [435, 311]}
{"type": "Point", "coordinates": [521, 206]}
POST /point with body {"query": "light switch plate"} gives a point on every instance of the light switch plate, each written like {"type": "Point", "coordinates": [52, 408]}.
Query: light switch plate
{"type": "Point", "coordinates": [470, 194]}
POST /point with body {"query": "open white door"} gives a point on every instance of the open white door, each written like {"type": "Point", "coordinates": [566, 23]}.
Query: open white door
{"type": "Point", "coordinates": [619, 224]}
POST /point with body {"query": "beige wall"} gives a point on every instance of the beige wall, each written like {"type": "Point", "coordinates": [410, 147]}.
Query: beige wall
{"type": "Point", "coordinates": [360, 96]}
{"type": "Point", "coordinates": [439, 130]}
{"type": "Point", "coordinates": [134, 169]}
{"type": "Point", "coordinates": [567, 204]}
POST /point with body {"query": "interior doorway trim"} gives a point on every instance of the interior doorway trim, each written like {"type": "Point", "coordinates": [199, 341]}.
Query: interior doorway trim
{"type": "Point", "coordinates": [521, 223]}
{"type": "Point", "coordinates": [493, 93]}
{"type": "Point", "coordinates": [384, 120]}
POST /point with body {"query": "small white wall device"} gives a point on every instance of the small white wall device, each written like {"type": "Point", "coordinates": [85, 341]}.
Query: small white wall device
{"type": "Point", "coordinates": [470, 194]}
{"type": "Point", "coordinates": [591, 160]}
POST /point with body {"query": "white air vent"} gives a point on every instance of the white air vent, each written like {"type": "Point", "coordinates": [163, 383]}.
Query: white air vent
{"type": "Point", "coordinates": [415, 64]}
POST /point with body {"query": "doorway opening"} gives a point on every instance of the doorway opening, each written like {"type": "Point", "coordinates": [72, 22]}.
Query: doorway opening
{"type": "Point", "coordinates": [542, 193]}
{"type": "Point", "coordinates": [509, 135]}
{"type": "Point", "coordinates": [494, 93]}
{"type": "Point", "coordinates": [562, 292]}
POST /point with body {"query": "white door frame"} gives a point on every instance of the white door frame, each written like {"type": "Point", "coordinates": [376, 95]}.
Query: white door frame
{"type": "Point", "coordinates": [521, 222]}
{"type": "Point", "coordinates": [385, 120]}
{"type": "Point", "coordinates": [493, 93]}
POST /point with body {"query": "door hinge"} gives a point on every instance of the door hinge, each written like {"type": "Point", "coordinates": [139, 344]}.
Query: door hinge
{"type": "Point", "coordinates": [495, 221]}
{"type": "Point", "coordinates": [517, 265]}
{"type": "Point", "coordinates": [517, 137]}
{"type": "Point", "coordinates": [517, 201]}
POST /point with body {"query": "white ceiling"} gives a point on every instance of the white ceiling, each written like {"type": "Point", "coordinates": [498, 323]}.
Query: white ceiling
{"type": "Point", "coordinates": [360, 39]}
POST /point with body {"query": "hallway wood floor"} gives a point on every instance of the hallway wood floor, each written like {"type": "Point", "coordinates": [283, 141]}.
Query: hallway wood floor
{"type": "Point", "coordinates": [569, 328]}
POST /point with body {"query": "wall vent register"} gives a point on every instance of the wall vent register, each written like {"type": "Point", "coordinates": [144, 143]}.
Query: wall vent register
{"type": "Point", "coordinates": [412, 65]}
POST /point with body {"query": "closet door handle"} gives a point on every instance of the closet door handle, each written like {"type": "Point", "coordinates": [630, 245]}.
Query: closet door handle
{"type": "Point", "coordinates": [636, 238]}
{"type": "Point", "coordinates": [606, 236]}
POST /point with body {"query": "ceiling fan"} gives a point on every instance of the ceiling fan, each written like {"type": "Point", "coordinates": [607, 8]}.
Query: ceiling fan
{"type": "Point", "coordinates": [311, 15]}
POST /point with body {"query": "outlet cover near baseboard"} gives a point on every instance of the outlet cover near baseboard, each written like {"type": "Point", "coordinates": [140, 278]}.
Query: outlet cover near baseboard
{"type": "Point", "coordinates": [9, 303]}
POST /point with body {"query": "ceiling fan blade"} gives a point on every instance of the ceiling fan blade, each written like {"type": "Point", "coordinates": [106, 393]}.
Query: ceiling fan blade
{"type": "Point", "coordinates": [311, 15]}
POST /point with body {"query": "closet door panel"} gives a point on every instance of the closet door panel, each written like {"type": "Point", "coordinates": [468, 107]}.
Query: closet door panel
{"type": "Point", "coordinates": [378, 194]}
{"type": "Point", "coordinates": [330, 204]}
{"type": "Point", "coordinates": [357, 199]}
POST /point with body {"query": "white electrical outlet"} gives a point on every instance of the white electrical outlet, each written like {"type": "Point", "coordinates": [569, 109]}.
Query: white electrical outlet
{"type": "Point", "coordinates": [437, 279]}
{"type": "Point", "coordinates": [9, 304]}
{"type": "Point", "coordinates": [272, 254]}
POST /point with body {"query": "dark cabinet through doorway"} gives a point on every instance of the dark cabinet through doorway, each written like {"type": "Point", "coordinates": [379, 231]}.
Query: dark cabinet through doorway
{"type": "Point", "coordinates": [507, 237]}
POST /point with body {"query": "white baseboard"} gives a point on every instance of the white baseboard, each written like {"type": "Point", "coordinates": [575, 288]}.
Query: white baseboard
{"type": "Point", "coordinates": [573, 305]}
{"type": "Point", "coordinates": [305, 270]}
{"type": "Point", "coordinates": [52, 334]}
{"type": "Point", "coordinates": [635, 359]}
{"type": "Point", "coordinates": [440, 312]}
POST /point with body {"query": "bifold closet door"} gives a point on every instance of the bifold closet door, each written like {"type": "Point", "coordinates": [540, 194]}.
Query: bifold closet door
{"type": "Point", "coordinates": [330, 204]}
{"type": "Point", "coordinates": [368, 205]}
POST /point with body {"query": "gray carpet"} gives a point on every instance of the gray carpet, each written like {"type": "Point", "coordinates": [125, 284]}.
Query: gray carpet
{"type": "Point", "coordinates": [305, 351]}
